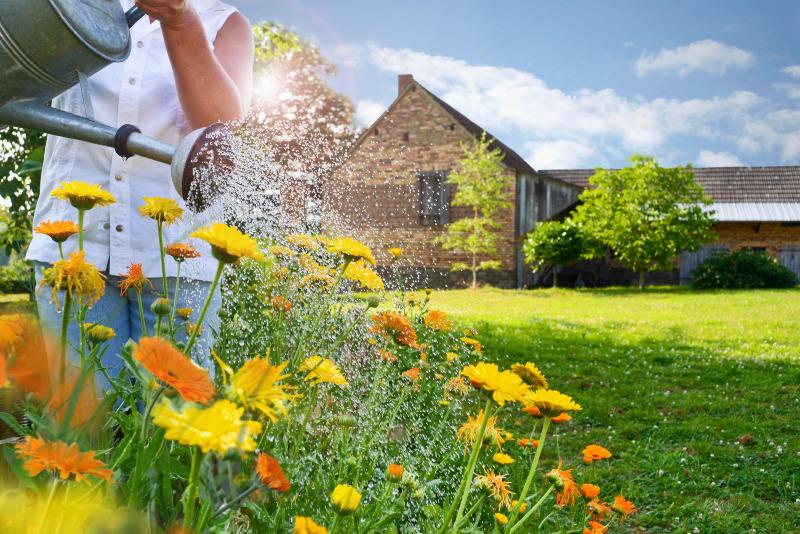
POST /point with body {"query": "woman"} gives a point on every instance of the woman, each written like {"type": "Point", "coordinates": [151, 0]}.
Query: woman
{"type": "Point", "coordinates": [190, 65]}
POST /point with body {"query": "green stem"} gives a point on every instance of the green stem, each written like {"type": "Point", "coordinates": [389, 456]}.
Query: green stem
{"type": "Point", "coordinates": [80, 229]}
{"type": "Point", "coordinates": [471, 511]}
{"type": "Point", "coordinates": [163, 269]}
{"type": "Point", "coordinates": [50, 495]}
{"type": "Point", "coordinates": [61, 250]}
{"type": "Point", "coordinates": [466, 479]}
{"type": "Point", "coordinates": [141, 313]}
{"type": "Point", "coordinates": [174, 301]}
{"type": "Point", "coordinates": [62, 362]}
{"type": "Point", "coordinates": [191, 490]}
{"type": "Point", "coordinates": [239, 498]}
{"type": "Point", "coordinates": [147, 410]}
{"type": "Point", "coordinates": [335, 522]}
{"type": "Point", "coordinates": [530, 512]}
{"type": "Point", "coordinates": [200, 319]}
{"type": "Point", "coordinates": [531, 473]}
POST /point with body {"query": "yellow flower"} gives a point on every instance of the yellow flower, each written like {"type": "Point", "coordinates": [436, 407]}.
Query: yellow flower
{"type": "Point", "coordinates": [500, 518]}
{"type": "Point", "coordinates": [359, 271]}
{"type": "Point", "coordinates": [451, 356]}
{"type": "Point", "coordinates": [437, 320]}
{"type": "Point", "coordinates": [504, 386]}
{"type": "Point", "coordinates": [279, 251]}
{"type": "Point", "coordinates": [58, 231]}
{"type": "Point", "coordinates": [497, 487]}
{"type": "Point", "coordinates": [396, 252]}
{"type": "Point", "coordinates": [345, 498]}
{"type": "Point", "coordinates": [322, 370]}
{"type": "Point", "coordinates": [302, 241]}
{"type": "Point", "coordinates": [255, 385]}
{"type": "Point", "coordinates": [185, 313]}
{"type": "Point", "coordinates": [551, 403]}
{"type": "Point", "coordinates": [474, 343]}
{"type": "Point", "coordinates": [217, 428]}
{"type": "Point", "coordinates": [469, 431]}
{"type": "Point", "coordinates": [228, 244]}
{"type": "Point", "coordinates": [98, 333]}
{"type": "Point", "coordinates": [502, 458]}
{"type": "Point", "coordinates": [456, 386]}
{"type": "Point", "coordinates": [530, 374]}
{"type": "Point", "coordinates": [83, 196]}
{"type": "Point", "coordinates": [350, 249]}
{"type": "Point", "coordinates": [306, 525]}
{"type": "Point", "coordinates": [320, 280]}
{"type": "Point", "coordinates": [160, 209]}
{"type": "Point", "coordinates": [77, 277]}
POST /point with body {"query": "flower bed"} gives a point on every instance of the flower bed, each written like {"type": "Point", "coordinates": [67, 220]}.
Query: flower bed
{"type": "Point", "coordinates": [329, 410]}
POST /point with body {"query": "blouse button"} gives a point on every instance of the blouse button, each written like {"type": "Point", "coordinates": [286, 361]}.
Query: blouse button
{"type": "Point", "coordinates": [132, 81]}
{"type": "Point", "coordinates": [140, 44]}
{"type": "Point", "coordinates": [118, 228]}
{"type": "Point", "coordinates": [106, 226]}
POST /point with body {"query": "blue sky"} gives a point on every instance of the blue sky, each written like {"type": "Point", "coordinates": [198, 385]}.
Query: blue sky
{"type": "Point", "coordinates": [578, 83]}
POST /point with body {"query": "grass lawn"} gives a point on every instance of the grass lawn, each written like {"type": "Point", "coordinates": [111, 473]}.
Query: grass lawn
{"type": "Point", "coordinates": [696, 394]}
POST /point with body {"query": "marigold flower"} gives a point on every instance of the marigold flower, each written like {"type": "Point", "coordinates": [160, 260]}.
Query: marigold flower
{"type": "Point", "coordinates": [345, 498]}
{"type": "Point", "coordinates": [527, 442]}
{"type": "Point", "coordinates": [191, 327]}
{"type": "Point", "coordinates": [595, 452]}
{"type": "Point", "coordinates": [456, 386]}
{"type": "Point", "coordinates": [271, 474]}
{"type": "Point", "coordinates": [504, 386]}
{"type": "Point", "coordinates": [412, 374]}
{"type": "Point", "coordinates": [530, 374]}
{"type": "Point", "coordinates": [469, 431]}
{"type": "Point", "coordinates": [255, 385]}
{"type": "Point", "coordinates": [387, 356]}
{"type": "Point", "coordinates": [589, 491]}
{"type": "Point", "coordinates": [359, 271]}
{"type": "Point", "coordinates": [551, 403]}
{"type": "Point", "coordinates": [351, 249]}
{"type": "Point", "coordinates": [395, 252]}
{"type": "Point", "coordinates": [497, 487]}
{"type": "Point", "coordinates": [185, 313]}
{"type": "Point", "coordinates": [134, 279]}
{"type": "Point", "coordinates": [82, 195]}
{"type": "Point", "coordinates": [228, 244]}
{"type": "Point", "coordinates": [280, 303]}
{"type": "Point", "coordinates": [502, 458]}
{"type": "Point", "coordinates": [98, 333]}
{"type": "Point", "coordinates": [172, 367]}
{"type": "Point", "coordinates": [58, 231]}
{"type": "Point", "coordinates": [597, 509]}
{"type": "Point", "coordinates": [595, 528]}
{"type": "Point", "coordinates": [302, 241]}
{"type": "Point", "coordinates": [63, 403]}
{"type": "Point", "coordinates": [437, 320]}
{"type": "Point", "coordinates": [218, 428]}
{"type": "Point", "coordinates": [395, 472]}
{"type": "Point", "coordinates": [500, 518]}
{"type": "Point", "coordinates": [321, 370]}
{"type": "Point", "coordinates": [522, 507]}
{"type": "Point", "coordinates": [160, 307]}
{"type": "Point", "coordinates": [320, 280]}
{"type": "Point", "coordinates": [77, 277]}
{"type": "Point", "coordinates": [12, 329]}
{"type": "Point", "coordinates": [397, 326]}
{"type": "Point", "coordinates": [623, 506]}
{"type": "Point", "coordinates": [565, 483]}
{"type": "Point", "coordinates": [561, 418]}
{"type": "Point", "coordinates": [279, 251]}
{"type": "Point", "coordinates": [306, 525]}
{"type": "Point", "coordinates": [451, 357]}
{"type": "Point", "coordinates": [59, 456]}
{"type": "Point", "coordinates": [181, 252]}
{"type": "Point", "coordinates": [474, 343]}
{"type": "Point", "coordinates": [160, 209]}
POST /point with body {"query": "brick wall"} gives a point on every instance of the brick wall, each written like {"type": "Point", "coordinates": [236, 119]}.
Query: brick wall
{"type": "Point", "coordinates": [772, 236]}
{"type": "Point", "coordinates": [375, 194]}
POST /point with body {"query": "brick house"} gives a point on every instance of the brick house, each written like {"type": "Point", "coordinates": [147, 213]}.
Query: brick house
{"type": "Point", "coordinates": [391, 192]}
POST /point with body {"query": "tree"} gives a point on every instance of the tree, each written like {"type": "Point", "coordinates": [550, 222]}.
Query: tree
{"type": "Point", "coordinates": [555, 244]}
{"type": "Point", "coordinates": [481, 185]}
{"type": "Point", "coordinates": [21, 155]}
{"type": "Point", "coordinates": [646, 214]}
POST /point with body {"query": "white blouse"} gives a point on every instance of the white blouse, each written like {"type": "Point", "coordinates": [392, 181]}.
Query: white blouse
{"type": "Point", "coordinates": [139, 91]}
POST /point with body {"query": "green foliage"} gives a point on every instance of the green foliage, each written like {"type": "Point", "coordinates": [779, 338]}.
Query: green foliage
{"type": "Point", "coordinates": [21, 155]}
{"type": "Point", "coordinates": [16, 277]}
{"type": "Point", "coordinates": [742, 269]}
{"type": "Point", "coordinates": [645, 213]}
{"type": "Point", "coordinates": [482, 185]}
{"type": "Point", "coordinates": [553, 243]}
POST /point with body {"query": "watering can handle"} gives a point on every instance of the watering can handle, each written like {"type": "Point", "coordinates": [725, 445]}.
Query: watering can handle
{"type": "Point", "coordinates": [133, 16]}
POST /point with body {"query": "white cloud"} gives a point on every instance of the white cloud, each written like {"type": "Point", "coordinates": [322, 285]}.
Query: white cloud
{"type": "Point", "coordinates": [587, 127]}
{"type": "Point", "coordinates": [707, 55]}
{"type": "Point", "coordinates": [792, 90]}
{"type": "Point", "coordinates": [709, 158]}
{"type": "Point", "coordinates": [367, 111]}
{"type": "Point", "coordinates": [792, 70]}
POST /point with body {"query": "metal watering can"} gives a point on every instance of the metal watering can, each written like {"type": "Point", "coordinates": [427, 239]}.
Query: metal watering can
{"type": "Point", "coordinates": [49, 46]}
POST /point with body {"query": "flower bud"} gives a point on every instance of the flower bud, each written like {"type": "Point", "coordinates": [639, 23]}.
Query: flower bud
{"type": "Point", "coordinates": [373, 301]}
{"type": "Point", "coordinates": [345, 499]}
{"type": "Point", "coordinates": [346, 420]}
{"type": "Point", "coordinates": [395, 472]}
{"type": "Point", "coordinates": [160, 306]}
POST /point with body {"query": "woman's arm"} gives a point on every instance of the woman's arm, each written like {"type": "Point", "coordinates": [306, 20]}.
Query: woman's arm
{"type": "Point", "coordinates": [213, 85]}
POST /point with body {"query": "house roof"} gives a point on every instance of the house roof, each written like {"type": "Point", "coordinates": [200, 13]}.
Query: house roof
{"type": "Point", "coordinates": [723, 184]}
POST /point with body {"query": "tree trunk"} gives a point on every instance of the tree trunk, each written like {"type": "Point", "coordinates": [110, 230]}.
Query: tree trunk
{"type": "Point", "coordinates": [555, 276]}
{"type": "Point", "coordinates": [474, 271]}
{"type": "Point", "coordinates": [641, 279]}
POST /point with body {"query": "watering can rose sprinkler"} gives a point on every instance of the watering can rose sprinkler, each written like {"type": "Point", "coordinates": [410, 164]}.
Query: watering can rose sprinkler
{"type": "Point", "coordinates": [49, 46]}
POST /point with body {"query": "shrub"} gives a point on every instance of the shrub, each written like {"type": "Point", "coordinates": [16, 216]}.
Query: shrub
{"type": "Point", "coordinates": [743, 269]}
{"type": "Point", "coordinates": [16, 277]}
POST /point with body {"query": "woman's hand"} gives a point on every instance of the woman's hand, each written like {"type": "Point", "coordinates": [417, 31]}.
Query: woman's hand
{"type": "Point", "coordinates": [171, 14]}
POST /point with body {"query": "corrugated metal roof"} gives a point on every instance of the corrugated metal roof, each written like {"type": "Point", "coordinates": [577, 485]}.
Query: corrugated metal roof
{"type": "Point", "coordinates": [756, 211]}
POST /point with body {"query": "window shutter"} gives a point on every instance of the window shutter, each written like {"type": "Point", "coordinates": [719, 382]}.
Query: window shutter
{"type": "Point", "coordinates": [434, 199]}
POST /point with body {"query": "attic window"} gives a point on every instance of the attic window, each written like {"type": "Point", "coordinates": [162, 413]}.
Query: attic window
{"type": "Point", "coordinates": [452, 126]}
{"type": "Point", "coordinates": [375, 132]}
{"type": "Point", "coordinates": [434, 198]}
{"type": "Point", "coordinates": [405, 137]}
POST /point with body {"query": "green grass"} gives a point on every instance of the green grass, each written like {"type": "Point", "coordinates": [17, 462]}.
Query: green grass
{"type": "Point", "coordinates": [673, 382]}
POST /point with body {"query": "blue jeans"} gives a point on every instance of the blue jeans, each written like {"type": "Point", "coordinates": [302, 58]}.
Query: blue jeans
{"type": "Point", "coordinates": [122, 314]}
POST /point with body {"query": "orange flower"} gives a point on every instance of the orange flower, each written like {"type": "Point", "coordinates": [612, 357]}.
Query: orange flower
{"type": "Point", "coordinates": [395, 472]}
{"type": "Point", "coordinates": [134, 279]}
{"type": "Point", "coordinates": [58, 231]}
{"type": "Point", "coordinates": [533, 410]}
{"type": "Point", "coordinates": [181, 252]}
{"type": "Point", "coordinates": [174, 368]}
{"type": "Point", "coordinates": [561, 418]}
{"type": "Point", "coordinates": [565, 484]}
{"type": "Point", "coordinates": [59, 456]}
{"type": "Point", "coordinates": [281, 304]}
{"type": "Point", "coordinates": [396, 326]}
{"type": "Point", "coordinates": [412, 374]}
{"type": "Point", "coordinates": [437, 320]}
{"type": "Point", "coordinates": [590, 491]}
{"type": "Point", "coordinates": [387, 356]}
{"type": "Point", "coordinates": [271, 474]}
{"type": "Point", "coordinates": [525, 442]}
{"type": "Point", "coordinates": [597, 509]}
{"type": "Point", "coordinates": [85, 407]}
{"type": "Point", "coordinates": [595, 452]}
{"type": "Point", "coordinates": [623, 506]}
{"type": "Point", "coordinates": [595, 528]}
